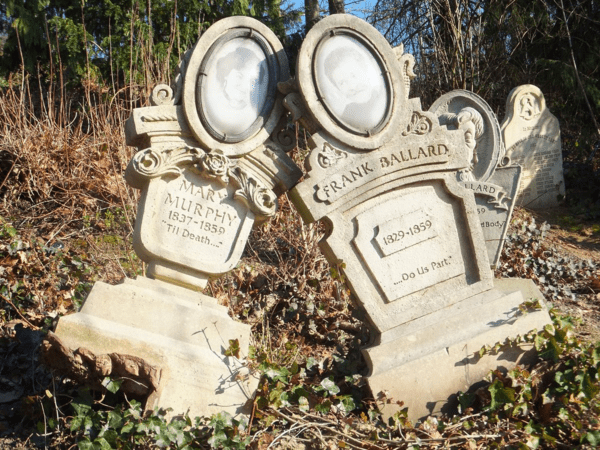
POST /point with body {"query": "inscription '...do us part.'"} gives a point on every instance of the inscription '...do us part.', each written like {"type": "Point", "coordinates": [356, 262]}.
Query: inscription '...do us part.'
{"type": "Point", "coordinates": [425, 269]}
{"type": "Point", "coordinates": [408, 233]}
{"type": "Point", "coordinates": [408, 246]}
{"type": "Point", "coordinates": [198, 213]}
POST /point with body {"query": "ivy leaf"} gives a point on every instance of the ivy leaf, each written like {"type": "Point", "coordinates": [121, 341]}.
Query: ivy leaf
{"type": "Point", "coordinates": [81, 409]}
{"type": "Point", "coordinates": [127, 428]}
{"type": "Point", "coordinates": [110, 437]}
{"type": "Point", "coordinates": [300, 391]}
{"type": "Point", "coordinates": [85, 444]}
{"type": "Point", "coordinates": [330, 386]}
{"type": "Point", "coordinates": [596, 356]}
{"type": "Point", "coordinates": [533, 442]}
{"type": "Point", "coordinates": [552, 350]}
{"type": "Point", "coordinates": [592, 438]}
{"type": "Point", "coordinates": [586, 386]}
{"type": "Point", "coordinates": [303, 404]}
{"type": "Point", "coordinates": [539, 342]}
{"type": "Point", "coordinates": [550, 329]}
{"type": "Point", "coordinates": [115, 420]}
{"type": "Point", "coordinates": [500, 394]}
{"type": "Point", "coordinates": [234, 348]}
{"type": "Point", "coordinates": [75, 423]}
{"type": "Point", "coordinates": [112, 385]}
{"type": "Point", "coordinates": [278, 374]}
{"type": "Point", "coordinates": [347, 404]}
{"type": "Point", "coordinates": [324, 407]}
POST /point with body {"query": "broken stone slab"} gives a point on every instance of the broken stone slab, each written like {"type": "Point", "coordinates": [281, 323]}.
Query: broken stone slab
{"type": "Point", "coordinates": [181, 333]}
{"type": "Point", "coordinates": [404, 231]}
{"type": "Point", "coordinates": [531, 134]}
{"type": "Point", "coordinates": [491, 176]}
{"type": "Point", "coordinates": [211, 165]}
{"type": "Point", "coordinates": [139, 378]}
{"type": "Point", "coordinates": [495, 201]}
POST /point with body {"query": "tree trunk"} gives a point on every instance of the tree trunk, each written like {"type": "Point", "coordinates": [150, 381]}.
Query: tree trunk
{"type": "Point", "coordinates": [336, 7]}
{"type": "Point", "coordinates": [311, 13]}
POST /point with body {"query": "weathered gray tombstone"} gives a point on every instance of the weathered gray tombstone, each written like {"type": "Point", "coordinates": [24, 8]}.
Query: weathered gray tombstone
{"type": "Point", "coordinates": [382, 176]}
{"type": "Point", "coordinates": [532, 137]}
{"type": "Point", "coordinates": [212, 164]}
{"type": "Point", "coordinates": [491, 176]}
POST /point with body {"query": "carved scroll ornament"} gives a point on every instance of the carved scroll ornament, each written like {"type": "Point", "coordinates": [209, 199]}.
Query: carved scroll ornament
{"type": "Point", "coordinates": [148, 164]}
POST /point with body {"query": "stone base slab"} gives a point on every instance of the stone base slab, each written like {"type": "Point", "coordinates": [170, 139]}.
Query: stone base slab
{"type": "Point", "coordinates": [435, 357]}
{"type": "Point", "coordinates": [180, 332]}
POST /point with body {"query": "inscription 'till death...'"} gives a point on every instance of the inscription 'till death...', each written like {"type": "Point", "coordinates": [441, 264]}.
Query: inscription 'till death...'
{"type": "Point", "coordinates": [199, 213]}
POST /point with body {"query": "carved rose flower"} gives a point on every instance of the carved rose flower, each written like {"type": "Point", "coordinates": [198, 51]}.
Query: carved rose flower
{"type": "Point", "coordinates": [217, 165]}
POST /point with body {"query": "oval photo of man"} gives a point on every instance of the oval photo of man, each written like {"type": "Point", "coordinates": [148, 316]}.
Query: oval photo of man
{"type": "Point", "coordinates": [234, 91]}
{"type": "Point", "coordinates": [351, 83]}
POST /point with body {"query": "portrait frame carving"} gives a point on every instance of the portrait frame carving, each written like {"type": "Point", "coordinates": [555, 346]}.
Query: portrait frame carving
{"type": "Point", "coordinates": [493, 146]}
{"type": "Point", "coordinates": [313, 90]}
{"type": "Point", "coordinates": [204, 58]}
{"type": "Point", "coordinates": [322, 91]}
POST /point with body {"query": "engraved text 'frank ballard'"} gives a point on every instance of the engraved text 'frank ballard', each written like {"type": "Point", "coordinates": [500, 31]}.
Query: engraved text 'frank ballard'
{"type": "Point", "coordinates": [354, 175]}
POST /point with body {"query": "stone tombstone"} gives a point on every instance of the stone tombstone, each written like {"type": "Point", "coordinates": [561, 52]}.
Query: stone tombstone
{"type": "Point", "coordinates": [382, 176]}
{"type": "Point", "coordinates": [212, 164]}
{"type": "Point", "coordinates": [490, 175]}
{"type": "Point", "coordinates": [532, 137]}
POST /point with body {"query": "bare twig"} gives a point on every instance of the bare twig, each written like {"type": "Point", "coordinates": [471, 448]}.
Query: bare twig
{"type": "Point", "coordinates": [19, 312]}
{"type": "Point", "coordinates": [579, 82]}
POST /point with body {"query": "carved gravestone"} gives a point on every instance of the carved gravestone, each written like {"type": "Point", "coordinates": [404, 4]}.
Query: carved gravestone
{"type": "Point", "coordinates": [382, 176]}
{"type": "Point", "coordinates": [211, 166]}
{"type": "Point", "coordinates": [490, 176]}
{"type": "Point", "coordinates": [532, 137]}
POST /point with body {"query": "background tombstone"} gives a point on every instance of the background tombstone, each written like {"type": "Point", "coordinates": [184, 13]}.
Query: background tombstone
{"type": "Point", "coordinates": [406, 234]}
{"type": "Point", "coordinates": [210, 167]}
{"type": "Point", "coordinates": [491, 177]}
{"type": "Point", "coordinates": [532, 137]}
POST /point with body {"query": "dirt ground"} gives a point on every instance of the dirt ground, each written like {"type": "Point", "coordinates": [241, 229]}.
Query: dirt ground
{"type": "Point", "coordinates": [576, 238]}
{"type": "Point", "coordinates": [583, 243]}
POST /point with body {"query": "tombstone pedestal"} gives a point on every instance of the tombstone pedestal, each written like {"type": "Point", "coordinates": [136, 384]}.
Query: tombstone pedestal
{"type": "Point", "coordinates": [181, 333]}
{"type": "Point", "coordinates": [424, 363]}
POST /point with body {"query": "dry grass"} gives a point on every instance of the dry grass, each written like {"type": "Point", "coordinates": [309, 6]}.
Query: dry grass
{"type": "Point", "coordinates": [62, 190]}
{"type": "Point", "coordinates": [59, 163]}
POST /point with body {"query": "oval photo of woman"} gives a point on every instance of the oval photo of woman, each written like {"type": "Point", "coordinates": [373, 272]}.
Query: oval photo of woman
{"type": "Point", "coordinates": [235, 87]}
{"type": "Point", "coordinates": [351, 83]}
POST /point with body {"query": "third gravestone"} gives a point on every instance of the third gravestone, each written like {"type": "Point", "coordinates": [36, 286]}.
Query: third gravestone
{"type": "Point", "coordinates": [532, 138]}
{"type": "Point", "coordinates": [490, 175]}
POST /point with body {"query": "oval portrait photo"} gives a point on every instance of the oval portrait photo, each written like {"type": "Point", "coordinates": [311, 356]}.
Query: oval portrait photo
{"type": "Point", "coordinates": [351, 83]}
{"type": "Point", "coordinates": [235, 86]}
